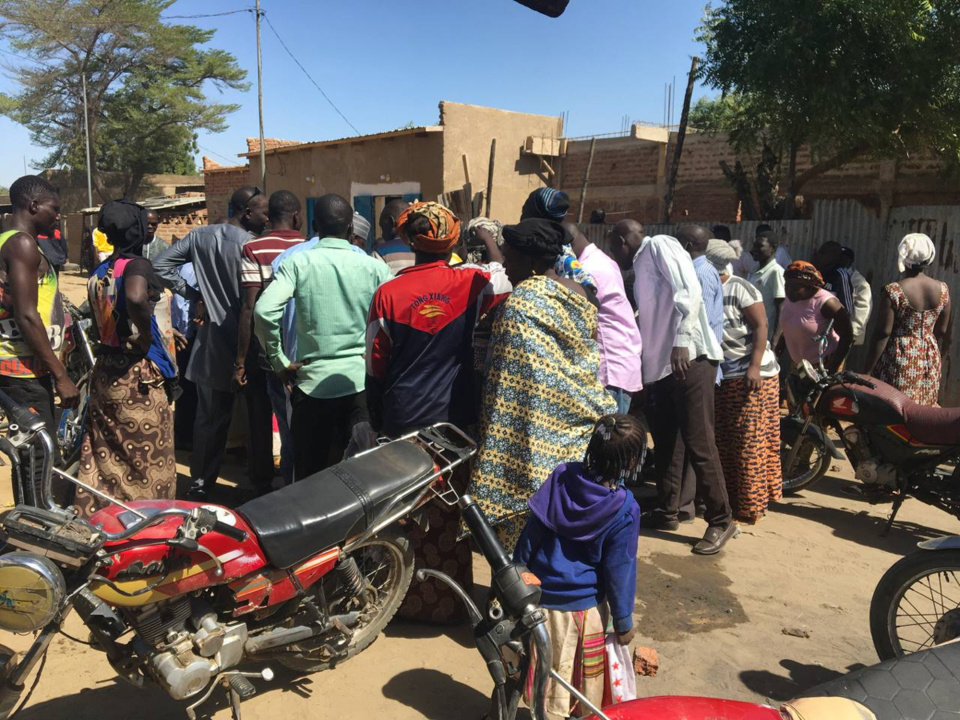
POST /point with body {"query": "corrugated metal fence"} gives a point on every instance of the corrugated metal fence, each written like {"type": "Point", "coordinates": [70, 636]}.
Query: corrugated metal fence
{"type": "Point", "coordinates": [874, 240]}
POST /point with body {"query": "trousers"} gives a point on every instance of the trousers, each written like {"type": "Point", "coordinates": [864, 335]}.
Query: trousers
{"type": "Point", "coordinates": [684, 436]}
{"type": "Point", "coordinates": [214, 412]}
{"type": "Point", "coordinates": [321, 429]}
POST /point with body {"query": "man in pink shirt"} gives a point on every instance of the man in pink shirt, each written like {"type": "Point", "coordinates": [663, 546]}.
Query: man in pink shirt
{"type": "Point", "coordinates": [617, 331]}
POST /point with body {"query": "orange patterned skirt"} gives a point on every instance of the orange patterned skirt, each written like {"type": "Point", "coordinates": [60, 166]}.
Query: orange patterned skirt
{"type": "Point", "coordinates": [748, 438]}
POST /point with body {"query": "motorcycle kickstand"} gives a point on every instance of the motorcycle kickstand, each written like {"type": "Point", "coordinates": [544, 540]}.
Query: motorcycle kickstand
{"type": "Point", "coordinates": [897, 504]}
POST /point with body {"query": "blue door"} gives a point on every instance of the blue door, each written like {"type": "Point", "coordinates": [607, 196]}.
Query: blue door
{"type": "Point", "coordinates": [363, 204]}
{"type": "Point", "coordinates": [311, 211]}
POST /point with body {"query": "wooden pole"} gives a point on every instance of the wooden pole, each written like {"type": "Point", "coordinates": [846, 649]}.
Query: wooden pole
{"type": "Point", "coordinates": [586, 180]}
{"type": "Point", "coordinates": [681, 136]}
{"type": "Point", "coordinates": [493, 158]}
{"type": "Point", "coordinates": [263, 150]}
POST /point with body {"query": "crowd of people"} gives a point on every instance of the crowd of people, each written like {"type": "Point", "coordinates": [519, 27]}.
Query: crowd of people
{"type": "Point", "coordinates": [537, 346]}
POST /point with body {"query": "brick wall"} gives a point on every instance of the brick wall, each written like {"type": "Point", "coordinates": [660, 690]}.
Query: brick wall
{"type": "Point", "coordinates": [219, 185]}
{"type": "Point", "coordinates": [624, 180]}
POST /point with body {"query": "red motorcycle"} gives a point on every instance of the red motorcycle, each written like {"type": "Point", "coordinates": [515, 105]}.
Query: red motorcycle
{"type": "Point", "coordinates": [182, 594]}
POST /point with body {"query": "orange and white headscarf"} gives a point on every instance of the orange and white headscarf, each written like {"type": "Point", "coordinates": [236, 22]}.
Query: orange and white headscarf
{"type": "Point", "coordinates": [444, 228]}
{"type": "Point", "coordinates": [805, 273]}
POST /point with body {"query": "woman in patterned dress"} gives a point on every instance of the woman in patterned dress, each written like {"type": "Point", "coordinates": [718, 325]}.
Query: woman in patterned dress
{"type": "Point", "coordinates": [542, 396]}
{"type": "Point", "coordinates": [914, 318]}
{"type": "Point", "coordinates": [127, 449]}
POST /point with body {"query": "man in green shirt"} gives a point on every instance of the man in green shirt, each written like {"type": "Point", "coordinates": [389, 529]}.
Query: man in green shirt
{"type": "Point", "coordinates": [333, 287]}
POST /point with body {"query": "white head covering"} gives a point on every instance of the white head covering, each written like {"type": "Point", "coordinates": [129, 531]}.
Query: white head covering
{"type": "Point", "coordinates": [720, 254]}
{"type": "Point", "coordinates": [916, 250]}
{"type": "Point", "coordinates": [361, 226]}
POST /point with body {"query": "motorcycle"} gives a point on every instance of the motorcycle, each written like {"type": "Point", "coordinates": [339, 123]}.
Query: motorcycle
{"type": "Point", "coordinates": [916, 604]}
{"type": "Point", "coordinates": [181, 594]}
{"type": "Point", "coordinates": [897, 448]}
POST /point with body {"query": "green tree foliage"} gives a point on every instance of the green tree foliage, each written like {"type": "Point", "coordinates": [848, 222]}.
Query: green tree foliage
{"type": "Point", "coordinates": [846, 78]}
{"type": "Point", "coordinates": [146, 83]}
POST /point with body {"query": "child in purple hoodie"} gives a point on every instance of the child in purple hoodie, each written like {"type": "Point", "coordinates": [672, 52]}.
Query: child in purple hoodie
{"type": "Point", "coordinates": [581, 541]}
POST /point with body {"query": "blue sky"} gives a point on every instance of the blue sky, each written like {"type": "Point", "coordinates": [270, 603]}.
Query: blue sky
{"type": "Point", "coordinates": [386, 63]}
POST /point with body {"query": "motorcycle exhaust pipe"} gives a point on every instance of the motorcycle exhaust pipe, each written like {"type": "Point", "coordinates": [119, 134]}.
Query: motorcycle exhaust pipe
{"type": "Point", "coordinates": [288, 636]}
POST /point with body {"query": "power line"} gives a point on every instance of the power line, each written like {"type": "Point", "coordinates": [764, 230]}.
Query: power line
{"type": "Point", "coordinates": [208, 15]}
{"type": "Point", "coordinates": [294, 58]}
{"type": "Point", "coordinates": [214, 152]}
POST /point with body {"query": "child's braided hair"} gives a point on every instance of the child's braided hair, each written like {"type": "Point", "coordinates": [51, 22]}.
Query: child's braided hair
{"type": "Point", "coordinates": [616, 450]}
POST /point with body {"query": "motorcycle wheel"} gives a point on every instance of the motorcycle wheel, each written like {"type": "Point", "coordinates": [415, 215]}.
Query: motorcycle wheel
{"type": "Point", "coordinates": [386, 564]}
{"type": "Point", "coordinates": [916, 604]}
{"type": "Point", "coordinates": [813, 459]}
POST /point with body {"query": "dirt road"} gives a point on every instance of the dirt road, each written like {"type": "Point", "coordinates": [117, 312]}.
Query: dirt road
{"type": "Point", "coordinates": [716, 622]}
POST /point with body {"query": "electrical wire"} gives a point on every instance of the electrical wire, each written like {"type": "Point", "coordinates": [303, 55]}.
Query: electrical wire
{"type": "Point", "coordinates": [208, 15]}
{"type": "Point", "coordinates": [214, 152]}
{"type": "Point", "coordinates": [309, 77]}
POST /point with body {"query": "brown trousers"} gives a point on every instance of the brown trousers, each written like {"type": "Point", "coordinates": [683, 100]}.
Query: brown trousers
{"type": "Point", "coordinates": [684, 436]}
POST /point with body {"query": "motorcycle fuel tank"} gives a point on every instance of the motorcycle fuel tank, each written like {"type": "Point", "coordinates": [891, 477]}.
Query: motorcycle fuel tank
{"type": "Point", "coordinates": [145, 573]}
{"type": "Point", "coordinates": [689, 708]}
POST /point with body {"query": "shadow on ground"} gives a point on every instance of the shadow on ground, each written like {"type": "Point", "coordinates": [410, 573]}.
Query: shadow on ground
{"type": "Point", "coordinates": [801, 677]}
{"type": "Point", "coordinates": [410, 630]}
{"type": "Point", "coordinates": [859, 526]}
{"type": "Point", "coordinates": [435, 694]}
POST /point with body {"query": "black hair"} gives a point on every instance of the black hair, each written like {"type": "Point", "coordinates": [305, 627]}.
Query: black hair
{"type": "Point", "coordinates": [417, 225]}
{"type": "Point", "coordinates": [29, 188]}
{"type": "Point", "coordinates": [282, 204]}
{"type": "Point", "coordinates": [617, 448]}
{"type": "Point", "coordinates": [770, 236]}
{"type": "Point", "coordinates": [334, 216]}
{"type": "Point", "coordinates": [241, 198]}
{"type": "Point", "coordinates": [849, 256]}
{"type": "Point", "coordinates": [763, 228]}
{"type": "Point", "coordinates": [722, 232]}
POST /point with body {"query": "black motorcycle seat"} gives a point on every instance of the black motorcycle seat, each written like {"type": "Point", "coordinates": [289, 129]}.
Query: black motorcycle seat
{"type": "Point", "coordinates": [318, 512]}
{"type": "Point", "coordinates": [922, 686]}
{"type": "Point", "coordinates": [933, 425]}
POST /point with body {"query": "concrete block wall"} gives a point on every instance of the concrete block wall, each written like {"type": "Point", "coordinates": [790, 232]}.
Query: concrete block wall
{"type": "Point", "coordinates": [219, 185]}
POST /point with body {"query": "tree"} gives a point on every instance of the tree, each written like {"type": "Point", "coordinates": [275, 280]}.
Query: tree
{"type": "Point", "coordinates": [145, 84]}
{"type": "Point", "coordinates": [848, 79]}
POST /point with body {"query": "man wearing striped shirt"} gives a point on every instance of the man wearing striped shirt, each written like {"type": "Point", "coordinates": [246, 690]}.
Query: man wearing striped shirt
{"type": "Point", "coordinates": [264, 391]}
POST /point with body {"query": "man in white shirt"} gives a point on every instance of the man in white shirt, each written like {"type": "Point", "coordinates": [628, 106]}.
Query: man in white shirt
{"type": "Point", "coordinates": [680, 359]}
{"type": "Point", "coordinates": [745, 264]}
{"type": "Point", "coordinates": [862, 298]}
{"type": "Point", "coordinates": [768, 279]}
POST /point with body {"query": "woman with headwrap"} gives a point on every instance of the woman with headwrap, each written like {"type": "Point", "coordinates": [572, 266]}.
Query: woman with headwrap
{"type": "Point", "coordinates": [807, 311]}
{"type": "Point", "coordinates": [748, 399]}
{"type": "Point", "coordinates": [542, 396]}
{"type": "Point", "coordinates": [127, 449]}
{"type": "Point", "coordinates": [914, 318]}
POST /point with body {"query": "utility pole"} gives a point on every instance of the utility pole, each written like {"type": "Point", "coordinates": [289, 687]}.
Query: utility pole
{"type": "Point", "coordinates": [263, 151]}
{"type": "Point", "coordinates": [86, 130]}
{"type": "Point", "coordinates": [681, 136]}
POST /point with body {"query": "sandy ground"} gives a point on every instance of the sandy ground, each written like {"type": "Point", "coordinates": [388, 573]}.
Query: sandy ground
{"type": "Point", "coordinates": [717, 623]}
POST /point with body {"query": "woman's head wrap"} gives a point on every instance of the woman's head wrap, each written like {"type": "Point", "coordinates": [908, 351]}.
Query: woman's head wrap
{"type": "Point", "coordinates": [546, 203]}
{"type": "Point", "coordinates": [720, 254]}
{"type": "Point", "coordinates": [537, 238]}
{"type": "Point", "coordinates": [125, 225]}
{"type": "Point", "coordinates": [805, 273]}
{"type": "Point", "coordinates": [916, 251]}
{"type": "Point", "coordinates": [494, 227]}
{"type": "Point", "coordinates": [444, 230]}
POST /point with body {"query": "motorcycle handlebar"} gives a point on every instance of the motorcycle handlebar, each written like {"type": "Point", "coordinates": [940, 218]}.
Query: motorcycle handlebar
{"type": "Point", "coordinates": [234, 533]}
{"type": "Point", "coordinates": [18, 414]}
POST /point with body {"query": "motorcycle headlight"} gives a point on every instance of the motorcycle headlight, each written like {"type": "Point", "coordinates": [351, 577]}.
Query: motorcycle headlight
{"type": "Point", "coordinates": [31, 592]}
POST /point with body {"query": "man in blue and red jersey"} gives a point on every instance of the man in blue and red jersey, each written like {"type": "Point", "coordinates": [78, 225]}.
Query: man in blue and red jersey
{"type": "Point", "coordinates": [420, 332]}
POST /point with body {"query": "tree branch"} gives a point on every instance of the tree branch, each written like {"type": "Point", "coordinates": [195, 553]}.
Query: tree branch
{"type": "Point", "coordinates": [837, 161]}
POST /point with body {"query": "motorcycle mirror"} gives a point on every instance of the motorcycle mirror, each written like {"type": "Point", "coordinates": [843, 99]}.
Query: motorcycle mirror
{"type": "Point", "coordinates": [550, 8]}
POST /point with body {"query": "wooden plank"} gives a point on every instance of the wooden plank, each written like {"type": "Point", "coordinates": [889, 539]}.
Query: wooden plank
{"type": "Point", "coordinates": [493, 159]}
{"type": "Point", "coordinates": [586, 180]}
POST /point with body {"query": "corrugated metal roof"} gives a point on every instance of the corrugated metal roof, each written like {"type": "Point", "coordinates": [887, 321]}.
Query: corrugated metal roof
{"type": "Point", "coordinates": [159, 203]}
{"type": "Point", "coordinates": [354, 139]}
